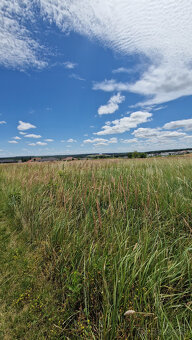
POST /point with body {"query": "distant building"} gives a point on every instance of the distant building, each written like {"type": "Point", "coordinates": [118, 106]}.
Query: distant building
{"type": "Point", "coordinates": [48, 159]}
{"type": "Point", "coordinates": [34, 159]}
{"type": "Point", "coordinates": [8, 161]}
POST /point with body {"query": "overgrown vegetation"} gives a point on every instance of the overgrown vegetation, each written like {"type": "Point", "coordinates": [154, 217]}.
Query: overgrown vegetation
{"type": "Point", "coordinates": [83, 242]}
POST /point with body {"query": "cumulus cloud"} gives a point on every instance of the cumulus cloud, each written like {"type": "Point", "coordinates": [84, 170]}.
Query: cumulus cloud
{"type": "Point", "coordinates": [164, 83]}
{"type": "Point", "coordinates": [129, 141]}
{"type": "Point", "coordinates": [2, 122]}
{"type": "Point", "coordinates": [32, 135]}
{"type": "Point", "coordinates": [125, 124]}
{"type": "Point", "coordinates": [148, 133]}
{"type": "Point", "coordinates": [95, 140]}
{"type": "Point", "coordinates": [25, 126]}
{"type": "Point", "coordinates": [101, 141]}
{"type": "Point", "coordinates": [37, 143]}
{"type": "Point", "coordinates": [159, 83]}
{"type": "Point", "coordinates": [17, 137]}
{"type": "Point", "coordinates": [71, 140]}
{"type": "Point", "coordinates": [41, 143]}
{"type": "Point", "coordinates": [179, 124]}
{"type": "Point", "coordinates": [12, 142]}
{"type": "Point", "coordinates": [112, 105]}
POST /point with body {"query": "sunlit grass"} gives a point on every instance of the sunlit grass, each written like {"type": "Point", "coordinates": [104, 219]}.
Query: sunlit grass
{"type": "Point", "coordinates": [95, 239]}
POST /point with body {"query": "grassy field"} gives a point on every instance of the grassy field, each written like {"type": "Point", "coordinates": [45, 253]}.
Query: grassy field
{"type": "Point", "coordinates": [83, 242]}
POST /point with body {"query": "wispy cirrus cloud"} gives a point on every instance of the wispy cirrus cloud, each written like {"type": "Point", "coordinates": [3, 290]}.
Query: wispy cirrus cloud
{"type": "Point", "coordinates": [69, 65]}
{"type": "Point", "coordinates": [18, 47]}
{"type": "Point", "coordinates": [76, 76]}
{"type": "Point", "coordinates": [122, 70]}
{"type": "Point", "coordinates": [158, 30]}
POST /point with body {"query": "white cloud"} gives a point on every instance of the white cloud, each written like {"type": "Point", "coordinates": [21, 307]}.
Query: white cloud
{"type": "Point", "coordinates": [17, 137]}
{"type": "Point", "coordinates": [37, 143]}
{"type": "Point", "coordinates": [112, 105]}
{"type": "Point", "coordinates": [32, 135]}
{"type": "Point", "coordinates": [122, 70]}
{"type": "Point", "coordinates": [69, 65]}
{"type": "Point", "coordinates": [125, 124]}
{"type": "Point", "coordinates": [163, 83]}
{"type": "Point", "coordinates": [12, 142]}
{"type": "Point", "coordinates": [49, 140]}
{"type": "Point", "coordinates": [101, 141]}
{"type": "Point", "coordinates": [112, 140]}
{"type": "Point", "coordinates": [18, 49]}
{"type": "Point", "coordinates": [41, 143]}
{"type": "Point", "coordinates": [179, 124]}
{"type": "Point", "coordinates": [71, 140]}
{"type": "Point", "coordinates": [129, 141]}
{"type": "Point", "coordinates": [95, 140]}
{"type": "Point", "coordinates": [76, 76]}
{"type": "Point", "coordinates": [159, 30]}
{"type": "Point", "coordinates": [157, 133]}
{"type": "Point", "coordinates": [2, 122]}
{"type": "Point", "coordinates": [25, 126]}
{"type": "Point", "coordinates": [159, 83]}
{"type": "Point", "coordinates": [111, 85]}
{"type": "Point", "coordinates": [22, 133]}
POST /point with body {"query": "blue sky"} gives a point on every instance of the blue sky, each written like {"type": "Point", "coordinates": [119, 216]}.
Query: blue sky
{"type": "Point", "coordinates": [95, 76]}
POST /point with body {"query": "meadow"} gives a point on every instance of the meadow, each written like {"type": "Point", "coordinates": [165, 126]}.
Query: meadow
{"type": "Point", "coordinates": [83, 242]}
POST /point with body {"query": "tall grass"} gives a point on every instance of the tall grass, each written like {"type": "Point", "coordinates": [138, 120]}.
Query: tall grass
{"type": "Point", "coordinates": [105, 237]}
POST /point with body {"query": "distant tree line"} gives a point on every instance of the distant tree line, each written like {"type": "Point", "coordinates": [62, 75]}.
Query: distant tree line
{"type": "Point", "coordinates": [136, 154]}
